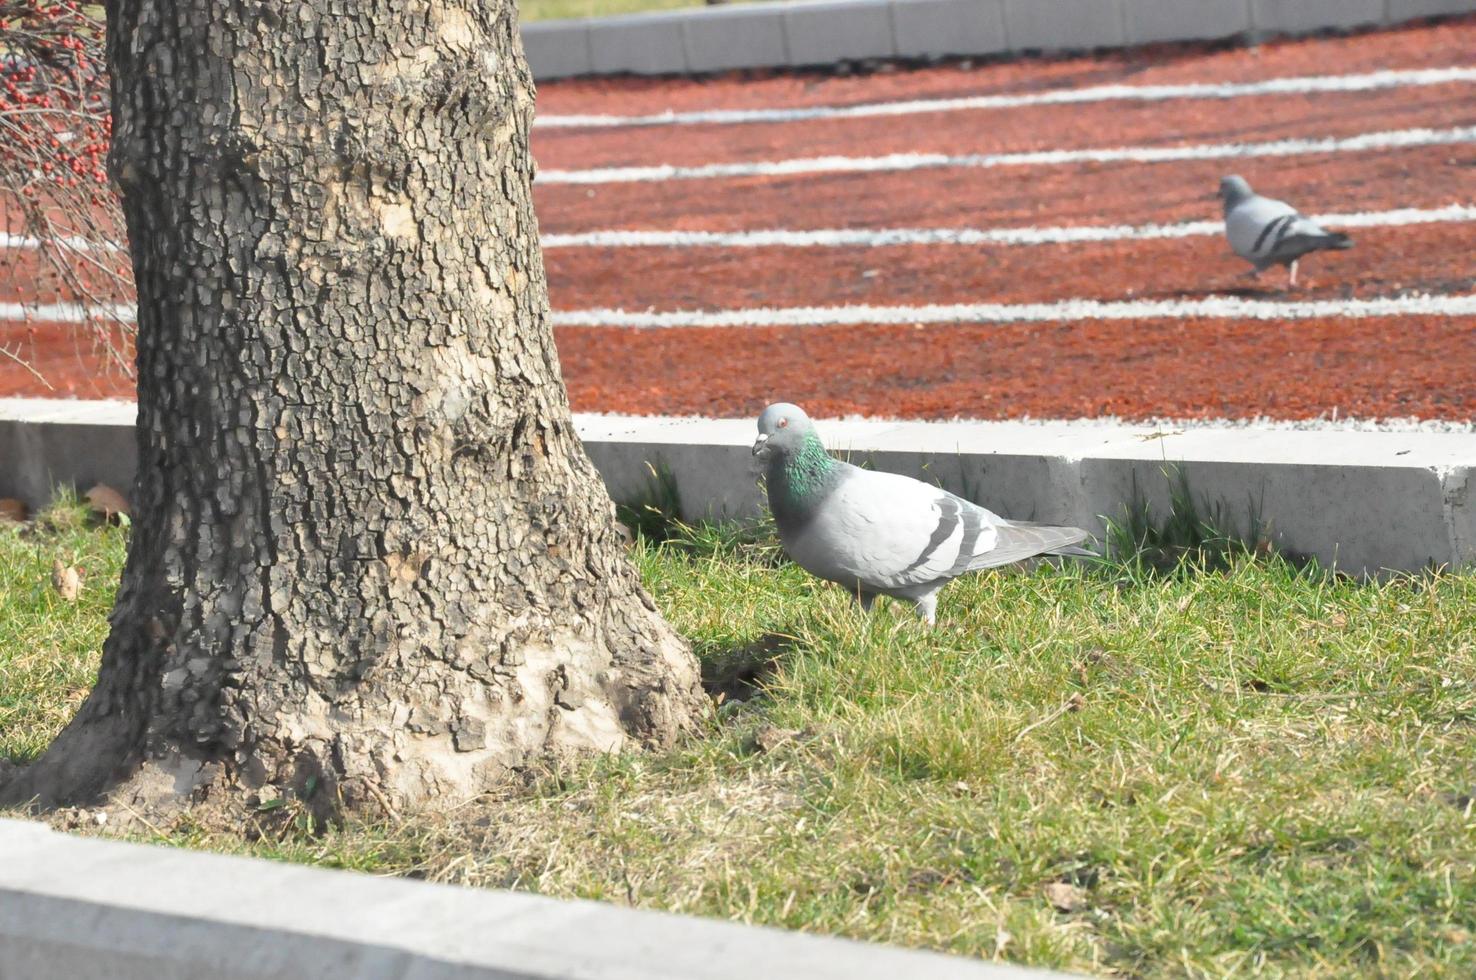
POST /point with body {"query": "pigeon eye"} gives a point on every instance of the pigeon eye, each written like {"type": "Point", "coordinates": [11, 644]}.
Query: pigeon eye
{"type": "Point", "coordinates": [783, 423]}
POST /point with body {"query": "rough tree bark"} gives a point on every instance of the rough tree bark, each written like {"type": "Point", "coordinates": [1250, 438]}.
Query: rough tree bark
{"type": "Point", "coordinates": [371, 564]}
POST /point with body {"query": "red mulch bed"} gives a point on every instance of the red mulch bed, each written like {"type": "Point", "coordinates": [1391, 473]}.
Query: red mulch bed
{"type": "Point", "coordinates": [1419, 366]}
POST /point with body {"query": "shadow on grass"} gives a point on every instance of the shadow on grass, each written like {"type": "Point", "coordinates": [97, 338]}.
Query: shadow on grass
{"type": "Point", "coordinates": [737, 673]}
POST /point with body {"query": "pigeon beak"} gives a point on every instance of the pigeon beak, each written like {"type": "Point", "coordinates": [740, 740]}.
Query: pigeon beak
{"type": "Point", "coordinates": [760, 442]}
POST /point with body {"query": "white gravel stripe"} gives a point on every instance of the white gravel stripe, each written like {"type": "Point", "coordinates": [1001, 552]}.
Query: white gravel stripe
{"type": "Point", "coordinates": [1213, 307]}
{"type": "Point", "coordinates": [71, 243]}
{"type": "Point", "coordinates": [1393, 139]}
{"type": "Point", "coordinates": [881, 237]}
{"type": "Point", "coordinates": [1065, 311]}
{"type": "Point", "coordinates": [1096, 93]}
{"type": "Point", "coordinates": [67, 312]}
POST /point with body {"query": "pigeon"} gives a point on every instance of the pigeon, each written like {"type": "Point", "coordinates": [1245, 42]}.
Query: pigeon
{"type": "Point", "coordinates": [879, 533]}
{"type": "Point", "coordinates": [1265, 232]}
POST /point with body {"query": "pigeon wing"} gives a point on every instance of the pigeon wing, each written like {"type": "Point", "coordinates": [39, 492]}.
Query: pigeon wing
{"type": "Point", "coordinates": [1302, 235]}
{"type": "Point", "coordinates": [890, 532]}
{"type": "Point", "coordinates": [1253, 226]}
{"type": "Point", "coordinates": [887, 532]}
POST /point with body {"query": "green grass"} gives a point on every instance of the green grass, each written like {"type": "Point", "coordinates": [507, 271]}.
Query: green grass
{"type": "Point", "coordinates": [1253, 770]}
{"type": "Point", "coordinates": [49, 646]}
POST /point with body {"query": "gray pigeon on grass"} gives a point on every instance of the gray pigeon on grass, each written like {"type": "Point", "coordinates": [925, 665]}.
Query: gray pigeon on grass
{"type": "Point", "coordinates": [883, 533]}
{"type": "Point", "coordinates": [1267, 232]}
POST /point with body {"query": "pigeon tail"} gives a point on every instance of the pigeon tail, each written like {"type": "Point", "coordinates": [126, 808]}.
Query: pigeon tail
{"type": "Point", "coordinates": [1068, 550]}
{"type": "Point", "coordinates": [1017, 542]}
{"type": "Point", "coordinates": [1299, 245]}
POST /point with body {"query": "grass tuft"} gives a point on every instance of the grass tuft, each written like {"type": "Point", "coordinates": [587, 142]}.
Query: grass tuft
{"type": "Point", "coordinates": [1195, 532]}
{"type": "Point", "coordinates": [655, 513]}
{"type": "Point", "coordinates": [49, 646]}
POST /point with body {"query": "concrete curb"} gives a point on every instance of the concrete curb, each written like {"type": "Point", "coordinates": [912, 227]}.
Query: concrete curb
{"type": "Point", "coordinates": [823, 32]}
{"type": "Point", "coordinates": [84, 908]}
{"type": "Point", "coordinates": [1364, 502]}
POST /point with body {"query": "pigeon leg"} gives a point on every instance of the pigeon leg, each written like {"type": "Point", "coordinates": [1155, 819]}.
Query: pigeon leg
{"type": "Point", "coordinates": [1291, 279]}
{"type": "Point", "coordinates": [927, 608]}
{"type": "Point", "coordinates": [866, 599]}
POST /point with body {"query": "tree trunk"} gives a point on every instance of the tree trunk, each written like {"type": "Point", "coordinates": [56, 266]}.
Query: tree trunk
{"type": "Point", "coordinates": [371, 564]}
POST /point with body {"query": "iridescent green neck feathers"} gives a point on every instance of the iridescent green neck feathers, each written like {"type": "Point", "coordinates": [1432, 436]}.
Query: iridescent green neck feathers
{"type": "Point", "coordinates": [797, 480]}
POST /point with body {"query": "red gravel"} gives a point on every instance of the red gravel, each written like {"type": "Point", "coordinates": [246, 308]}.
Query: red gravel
{"type": "Point", "coordinates": [72, 360]}
{"type": "Point", "coordinates": [1371, 368]}
{"type": "Point", "coordinates": [1086, 194]}
{"type": "Point", "coordinates": [1384, 262]}
{"type": "Point", "coordinates": [25, 278]}
{"type": "Point", "coordinates": [1024, 129]}
{"type": "Point", "coordinates": [1207, 368]}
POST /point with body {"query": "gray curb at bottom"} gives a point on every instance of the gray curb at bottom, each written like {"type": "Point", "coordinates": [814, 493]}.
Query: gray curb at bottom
{"type": "Point", "coordinates": [823, 32]}
{"type": "Point", "coordinates": [77, 908]}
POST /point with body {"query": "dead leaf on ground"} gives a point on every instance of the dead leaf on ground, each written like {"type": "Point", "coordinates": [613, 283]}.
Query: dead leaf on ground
{"type": "Point", "coordinates": [67, 579]}
{"type": "Point", "coordinates": [13, 510]}
{"type": "Point", "coordinates": [106, 501]}
{"type": "Point", "coordinates": [770, 737]}
{"type": "Point", "coordinates": [1064, 897]}
{"type": "Point", "coordinates": [1455, 935]}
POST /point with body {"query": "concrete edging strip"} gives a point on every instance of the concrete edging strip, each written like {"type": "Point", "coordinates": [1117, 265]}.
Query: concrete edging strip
{"type": "Point", "coordinates": [1364, 501]}
{"type": "Point", "coordinates": [818, 32]}
{"type": "Point", "coordinates": [84, 908]}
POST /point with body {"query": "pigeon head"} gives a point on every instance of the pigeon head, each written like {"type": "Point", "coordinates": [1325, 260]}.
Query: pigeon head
{"type": "Point", "coordinates": [1234, 189]}
{"type": "Point", "coordinates": [799, 473]}
{"type": "Point", "coordinates": [783, 430]}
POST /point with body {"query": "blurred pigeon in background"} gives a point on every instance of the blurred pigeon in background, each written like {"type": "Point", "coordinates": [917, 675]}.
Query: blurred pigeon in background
{"type": "Point", "coordinates": [882, 533]}
{"type": "Point", "coordinates": [1266, 232]}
